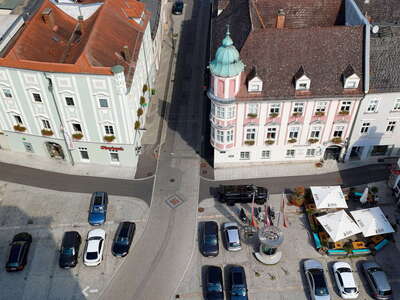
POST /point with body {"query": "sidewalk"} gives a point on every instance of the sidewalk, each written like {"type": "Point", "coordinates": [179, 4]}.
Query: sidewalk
{"type": "Point", "coordinates": [283, 170]}
{"type": "Point", "coordinates": [60, 166]}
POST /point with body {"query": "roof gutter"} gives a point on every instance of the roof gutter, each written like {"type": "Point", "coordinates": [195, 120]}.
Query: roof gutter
{"type": "Point", "coordinates": [367, 56]}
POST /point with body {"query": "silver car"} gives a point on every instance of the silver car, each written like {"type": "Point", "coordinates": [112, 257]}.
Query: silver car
{"type": "Point", "coordinates": [316, 280]}
{"type": "Point", "coordinates": [232, 236]}
{"type": "Point", "coordinates": [377, 280]}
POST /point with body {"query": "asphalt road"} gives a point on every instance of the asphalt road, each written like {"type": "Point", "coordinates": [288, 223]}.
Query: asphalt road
{"type": "Point", "coordinates": [78, 184]}
{"type": "Point", "coordinates": [276, 185]}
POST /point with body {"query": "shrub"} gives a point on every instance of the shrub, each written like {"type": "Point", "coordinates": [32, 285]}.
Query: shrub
{"type": "Point", "coordinates": [145, 88]}
{"type": "Point", "coordinates": [47, 132]}
{"type": "Point", "coordinates": [77, 136]}
{"type": "Point", "coordinates": [153, 92]}
{"type": "Point", "coordinates": [109, 138]}
{"type": "Point", "coordinates": [139, 112]}
{"type": "Point", "coordinates": [319, 164]}
{"type": "Point", "coordinates": [137, 125]}
{"type": "Point", "coordinates": [19, 127]}
{"type": "Point", "coordinates": [374, 190]}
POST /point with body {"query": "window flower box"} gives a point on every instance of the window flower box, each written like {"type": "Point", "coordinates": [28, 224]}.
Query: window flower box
{"type": "Point", "coordinates": [77, 136]}
{"type": "Point", "coordinates": [137, 125]}
{"type": "Point", "coordinates": [313, 141]}
{"type": "Point", "coordinates": [269, 142]}
{"type": "Point", "coordinates": [47, 132]}
{"type": "Point", "coordinates": [142, 100]}
{"type": "Point", "coordinates": [19, 128]}
{"type": "Point", "coordinates": [319, 113]}
{"type": "Point", "coordinates": [336, 140]}
{"type": "Point", "coordinates": [296, 114]}
{"type": "Point", "coordinates": [292, 141]}
{"type": "Point", "coordinates": [344, 112]}
{"type": "Point", "coordinates": [109, 138]}
{"type": "Point", "coordinates": [145, 88]}
{"type": "Point", "coordinates": [153, 92]}
{"type": "Point", "coordinates": [252, 116]}
{"type": "Point", "coordinates": [249, 143]}
{"type": "Point", "coordinates": [273, 115]}
{"type": "Point", "coordinates": [139, 112]}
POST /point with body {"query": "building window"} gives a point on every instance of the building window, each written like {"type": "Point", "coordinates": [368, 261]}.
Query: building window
{"type": "Point", "coordinates": [220, 112]}
{"type": "Point", "coordinates": [46, 124]}
{"type": "Point", "coordinates": [271, 133]}
{"type": "Point", "coordinates": [220, 136]}
{"type": "Point", "coordinates": [351, 84]}
{"type": "Point", "coordinates": [37, 97]}
{"type": "Point", "coordinates": [315, 132]}
{"type": "Point", "coordinates": [379, 150]}
{"type": "Point", "coordinates": [229, 136]}
{"type": "Point", "coordinates": [265, 154]}
{"type": "Point", "coordinates": [212, 132]}
{"type": "Point", "coordinates": [18, 119]}
{"type": "Point", "coordinates": [7, 93]}
{"type": "Point", "coordinates": [321, 107]}
{"type": "Point", "coordinates": [84, 153]}
{"type": "Point", "coordinates": [310, 152]}
{"type": "Point", "coordinates": [396, 105]}
{"type": "Point", "coordinates": [365, 127]}
{"type": "Point", "coordinates": [390, 126]}
{"type": "Point", "coordinates": [212, 108]}
{"type": "Point", "coordinates": [76, 127]}
{"type": "Point", "coordinates": [345, 106]}
{"type": "Point", "coordinates": [372, 106]}
{"type": "Point", "coordinates": [338, 132]}
{"type": "Point", "coordinates": [250, 134]}
{"type": "Point", "coordinates": [230, 112]}
{"type": "Point", "coordinates": [245, 155]}
{"type": "Point", "coordinates": [109, 129]}
{"type": "Point", "coordinates": [302, 86]}
{"type": "Point", "coordinates": [69, 101]}
{"type": "Point", "coordinates": [274, 108]}
{"type": "Point", "coordinates": [294, 132]}
{"type": "Point", "coordinates": [252, 108]}
{"type": "Point", "coordinates": [298, 108]}
{"type": "Point", "coordinates": [114, 157]}
{"type": "Point", "coordinates": [103, 102]}
{"type": "Point", "coordinates": [290, 153]}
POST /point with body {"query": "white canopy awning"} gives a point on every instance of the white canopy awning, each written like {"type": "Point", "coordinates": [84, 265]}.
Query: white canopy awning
{"type": "Point", "coordinates": [328, 197]}
{"type": "Point", "coordinates": [372, 221]}
{"type": "Point", "coordinates": [338, 225]}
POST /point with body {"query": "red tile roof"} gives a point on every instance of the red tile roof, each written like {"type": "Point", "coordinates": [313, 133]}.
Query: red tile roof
{"type": "Point", "coordinates": [323, 52]}
{"type": "Point", "coordinates": [95, 47]}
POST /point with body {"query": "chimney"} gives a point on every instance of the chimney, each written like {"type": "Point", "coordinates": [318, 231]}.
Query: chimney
{"type": "Point", "coordinates": [125, 52]}
{"type": "Point", "coordinates": [48, 18]}
{"type": "Point", "coordinates": [80, 21]}
{"type": "Point", "coordinates": [280, 19]}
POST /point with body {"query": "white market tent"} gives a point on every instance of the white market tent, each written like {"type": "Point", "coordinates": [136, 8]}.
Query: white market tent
{"type": "Point", "coordinates": [372, 221]}
{"type": "Point", "coordinates": [328, 197]}
{"type": "Point", "coordinates": [339, 225]}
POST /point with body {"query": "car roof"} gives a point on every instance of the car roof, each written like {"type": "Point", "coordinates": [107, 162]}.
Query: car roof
{"type": "Point", "coordinates": [348, 279]}
{"type": "Point", "coordinates": [214, 274]}
{"type": "Point", "coordinates": [70, 238]}
{"type": "Point", "coordinates": [96, 232]}
{"type": "Point", "coordinates": [381, 280]}
{"type": "Point", "coordinates": [233, 235]}
{"type": "Point", "coordinates": [15, 252]}
{"type": "Point", "coordinates": [237, 275]}
{"type": "Point", "coordinates": [93, 246]}
{"type": "Point", "coordinates": [123, 228]}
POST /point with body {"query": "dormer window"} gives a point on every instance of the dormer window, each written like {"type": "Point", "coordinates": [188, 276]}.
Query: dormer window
{"type": "Point", "coordinates": [350, 78]}
{"type": "Point", "coordinates": [255, 84]}
{"type": "Point", "coordinates": [301, 80]}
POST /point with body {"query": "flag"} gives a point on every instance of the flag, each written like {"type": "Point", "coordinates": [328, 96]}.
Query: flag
{"type": "Point", "coordinates": [285, 220]}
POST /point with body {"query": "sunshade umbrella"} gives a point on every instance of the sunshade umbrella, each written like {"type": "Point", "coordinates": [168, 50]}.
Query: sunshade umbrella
{"type": "Point", "coordinates": [364, 197]}
{"type": "Point", "coordinates": [338, 225]}
{"type": "Point", "coordinates": [372, 221]}
{"type": "Point", "coordinates": [328, 197]}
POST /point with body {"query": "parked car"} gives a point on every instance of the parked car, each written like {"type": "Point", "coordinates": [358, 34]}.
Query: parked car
{"type": "Point", "coordinates": [69, 251]}
{"type": "Point", "coordinates": [237, 283]}
{"type": "Point", "coordinates": [177, 8]}
{"type": "Point", "coordinates": [213, 283]}
{"type": "Point", "coordinates": [232, 236]}
{"type": "Point", "coordinates": [209, 239]}
{"type": "Point", "coordinates": [316, 280]}
{"type": "Point", "coordinates": [232, 194]}
{"type": "Point", "coordinates": [19, 249]}
{"type": "Point", "coordinates": [123, 239]}
{"type": "Point", "coordinates": [94, 247]}
{"type": "Point", "coordinates": [345, 280]}
{"type": "Point", "coordinates": [377, 280]}
{"type": "Point", "coordinates": [98, 208]}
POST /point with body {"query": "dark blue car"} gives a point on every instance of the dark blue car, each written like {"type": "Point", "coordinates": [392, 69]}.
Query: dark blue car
{"type": "Point", "coordinates": [98, 208]}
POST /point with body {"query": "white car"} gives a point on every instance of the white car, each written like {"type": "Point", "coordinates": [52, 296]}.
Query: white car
{"type": "Point", "coordinates": [345, 280]}
{"type": "Point", "coordinates": [94, 247]}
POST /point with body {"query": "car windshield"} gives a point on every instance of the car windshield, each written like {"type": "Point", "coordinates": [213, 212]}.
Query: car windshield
{"type": "Point", "coordinates": [320, 284]}
{"type": "Point", "coordinates": [350, 290]}
{"type": "Point", "coordinates": [68, 251]}
{"type": "Point", "coordinates": [91, 255]}
{"type": "Point", "coordinates": [214, 287]}
{"type": "Point", "coordinates": [123, 240]}
{"type": "Point", "coordinates": [95, 238]}
{"type": "Point", "coordinates": [238, 291]}
{"type": "Point", "coordinates": [385, 293]}
{"type": "Point", "coordinates": [343, 270]}
{"type": "Point", "coordinates": [98, 209]}
{"type": "Point", "coordinates": [210, 240]}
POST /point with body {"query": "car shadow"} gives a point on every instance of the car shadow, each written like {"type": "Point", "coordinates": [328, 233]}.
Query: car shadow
{"type": "Point", "coordinates": [306, 288]}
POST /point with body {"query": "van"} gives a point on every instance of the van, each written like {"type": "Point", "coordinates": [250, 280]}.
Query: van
{"type": "Point", "coordinates": [232, 194]}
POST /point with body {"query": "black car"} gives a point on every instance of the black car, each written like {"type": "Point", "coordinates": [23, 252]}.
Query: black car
{"type": "Point", "coordinates": [209, 240]}
{"type": "Point", "coordinates": [98, 208]}
{"type": "Point", "coordinates": [69, 251]}
{"type": "Point", "coordinates": [177, 8]}
{"type": "Point", "coordinates": [232, 194]}
{"type": "Point", "coordinates": [123, 239]}
{"type": "Point", "coordinates": [213, 283]}
{"type": "Point", "coordinates": [19, 252]}
{"type": "Point", "coordinates": [237, 283]}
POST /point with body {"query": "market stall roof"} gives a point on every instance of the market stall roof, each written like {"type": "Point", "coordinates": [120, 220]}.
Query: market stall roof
{"type": "Point", "coordinates": [372, 221]}
{"type": "Point", "coordinates": [338, 225]}
{"type": "Point", "coordinates": [328, 197]}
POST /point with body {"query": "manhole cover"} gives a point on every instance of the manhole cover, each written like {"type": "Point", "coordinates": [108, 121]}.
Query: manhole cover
{"type": "Point", "coordinates": [174, 201]}
{"type": "Point", "coordinates": [172, 180]}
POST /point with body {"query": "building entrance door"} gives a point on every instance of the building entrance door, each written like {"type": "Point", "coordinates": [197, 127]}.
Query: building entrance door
{"type": "Point", "coordinates": [55, 150]}
{"type": "Point", "coordinates": [332, 152]}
